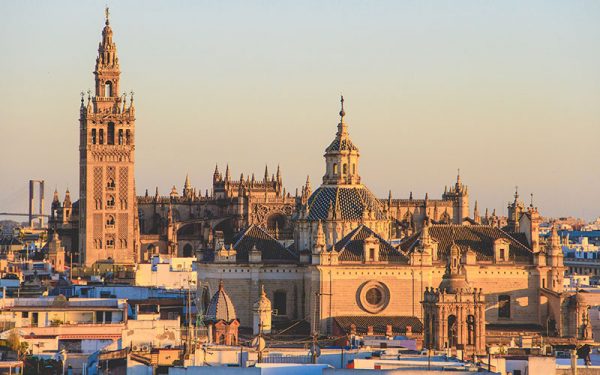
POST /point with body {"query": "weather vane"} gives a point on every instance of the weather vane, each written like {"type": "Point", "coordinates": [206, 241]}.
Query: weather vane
{"type": "Point", "coordinates": [106, 13]}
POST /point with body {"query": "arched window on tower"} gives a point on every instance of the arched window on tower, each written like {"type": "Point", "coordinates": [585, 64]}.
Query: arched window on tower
{"type": "Point", "coordinates": [101, 136]}
{"type": "Point", "coordinates": [120, 136]}
{"type": "Point", "coordinates": [111, 134]}
{"type": "Point", "coordinates": [335, 168]}
{"type": "Point", "coordinates": [110, 221]}
{"type": "Point", "coordinates": [353, 168]}
{"type": "Point", "coordinates": [108, 89]}
{"type": "Point", "coordinates": [345, 169]}
{"type": "Point", "coordinates": [127, 137]}
{"type": "Point", "coordinates": [110, 185]}
{"type": "Point", "coordinates": [93, 136]}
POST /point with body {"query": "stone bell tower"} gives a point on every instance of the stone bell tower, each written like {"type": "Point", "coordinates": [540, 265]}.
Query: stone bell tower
{"type": "Point", "coordinates": [106, 175]}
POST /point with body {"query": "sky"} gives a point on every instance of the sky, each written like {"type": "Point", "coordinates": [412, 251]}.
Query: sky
{"type": "Point", "coordinates": [507, 91]}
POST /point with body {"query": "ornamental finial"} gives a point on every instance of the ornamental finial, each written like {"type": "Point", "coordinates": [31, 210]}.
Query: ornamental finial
{"type": "Point", "coordinates": [342, 113]}
{"type": "Point", "coordinates": [107, 15]}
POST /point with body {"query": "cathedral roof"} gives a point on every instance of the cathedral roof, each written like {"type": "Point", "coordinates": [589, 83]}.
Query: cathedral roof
{"type": "Point", "coordinates": [269, 247]}
{"type": "Point", "coordinates": [220, 307]}
{"type": "Point", "coordinates": [351, 202]}
{"type": "Point", "coordinates": [351, 247]}
{"type": "Point", "coordinates": [478, 238]}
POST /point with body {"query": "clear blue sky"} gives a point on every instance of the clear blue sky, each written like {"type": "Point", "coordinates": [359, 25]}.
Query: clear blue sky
{"type": "Point", "coordinates": [507, 91]}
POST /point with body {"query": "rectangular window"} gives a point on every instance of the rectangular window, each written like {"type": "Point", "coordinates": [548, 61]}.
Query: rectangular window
{"type": "Point", "coordinates": [504, 307]}
{"type": "Point", "coordinates": [371, 254]}
{"type": "Point", "coordinates": [502, 254]}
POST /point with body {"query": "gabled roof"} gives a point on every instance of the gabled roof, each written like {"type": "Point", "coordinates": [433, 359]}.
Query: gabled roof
{"type": "Point", "coordinates": [269, 247]}
{"type": "Point", "coordinates": [351, 247]}
{"type": "Point", "coordinates": [478, 238]}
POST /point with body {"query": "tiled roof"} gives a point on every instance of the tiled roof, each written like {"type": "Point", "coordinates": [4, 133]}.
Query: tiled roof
{"type": "Point", "coordinates": [269, 247]}
{"type": "Point", "coordinates": [348, 201]}
{"type": "Point", "coordinates": [220, 307]}
{"type": "Point", "coordinates": [479, 238]}
{"type": "Point", "coordinates": [341, 144]}
{"type": "Point", "coordinates": [351, 247]}
{"type": "Point", "coordinates": [379, 323]}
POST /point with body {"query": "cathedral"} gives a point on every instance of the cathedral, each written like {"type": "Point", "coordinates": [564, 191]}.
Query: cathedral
{"type": "Point", "coordinates": [337, 257]}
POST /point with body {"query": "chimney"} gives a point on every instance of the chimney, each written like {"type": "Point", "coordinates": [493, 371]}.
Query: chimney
{"type": "Point", "coordinates": [369, 330]}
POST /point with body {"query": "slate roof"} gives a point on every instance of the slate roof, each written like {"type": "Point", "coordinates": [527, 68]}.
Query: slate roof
{"type": "Point", "coordinates": [351, 247]}
{"type": "Point", "coordinates": [348, 201]}
{"type": "Point", "coordinates": [220, 307]}
{"type": "Point", "coordinates": [379, 323]}
{"type": "Point", "coordinates": [269, 247]}
{"type": "Point", "coordinates": [479, 238]}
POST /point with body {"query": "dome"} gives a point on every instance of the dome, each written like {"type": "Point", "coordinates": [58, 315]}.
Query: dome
{"type": "Point", "coordinates": [454, 283]}
{"type": "Point", "coordinates": [341, 144]}
{"type": "Point", "coordinates": [263, 304]}
{"type": "Point", "coordinates": [352, 202]}
{"type": "Point", "coordinates": [220, 307]}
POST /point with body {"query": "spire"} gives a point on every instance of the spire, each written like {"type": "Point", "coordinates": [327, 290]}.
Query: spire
{"type": "Point", "coordinates": [227, 175]}
{"type": "Point", "coordinates": [156, 195]}
{"type": "Point", "coordinates": [531, 204]}
{"type": "Point", "coordinates": [107, 70]}
{"type": "Point", "coordinates": [186, 184]}
{"type": "Point", "coordinates": [475, 210]}
{"type": "Point", "coordinates": [320, 240]}
{"type": "Point", "coordinates": [55, 198]}
{"type": "Point", "coordinates": [266, 178]}
{"type": "Point", "coordinates": [67, 201]}
{"type": "Point", "coordinates": [278, 174]}
{"type": "Point", "coordinates": [216, 174]}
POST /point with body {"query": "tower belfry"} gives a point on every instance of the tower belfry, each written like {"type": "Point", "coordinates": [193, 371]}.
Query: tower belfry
{"type": "Point", "coordinates": [107, 145]}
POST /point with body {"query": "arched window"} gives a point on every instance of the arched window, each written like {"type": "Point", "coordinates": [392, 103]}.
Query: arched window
{"type": "Point", "coordinates": [345, 169]}
{"type": "Point", "coordinates": [108, 89]}
{"type": "Point", "coordinates": [120, 136]}
{"type": "Point", "coordinates": [504, 306]}
{"type": "Point", "coordinates": [187, 250]}
{"type": "Point", "coordinates": [93, 136]}
{"type": "Point", "coordinates": [101, 141]}
{"type": "Point", "coordinates": [280, 302]}
{"type": "Point", "coordinates": [110, 203]}
{"type": "Point", "coordinates": [110, 184]}
{"type": "Point", "coordinates": [335, 168]}
{"type": "Point", "coordinates": [353, 168]}
{"type": "Point", "coordinates": [452, 331]}
{"type": "Point", "coordinates": [111, 134]}
{"type": "Point", "coordinates": [110, 221]}
{"type": "Point", "coordinates": [127, 137]}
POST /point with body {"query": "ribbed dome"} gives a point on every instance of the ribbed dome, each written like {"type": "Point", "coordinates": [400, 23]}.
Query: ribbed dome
{"type": "Point", "coordinates": [350, 202]}
{"type": "Point", "coordinates": [341, 144]}
{"type": "Point", "coordinates": [220, 307]}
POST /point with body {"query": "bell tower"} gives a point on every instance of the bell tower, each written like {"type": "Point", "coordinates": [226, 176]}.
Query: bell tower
{"type": "Point", "coordinates": [106, 176]}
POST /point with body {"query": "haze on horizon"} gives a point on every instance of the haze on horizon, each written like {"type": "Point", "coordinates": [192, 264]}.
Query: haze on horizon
{"type": "Point", "coordinates": [507, 91]}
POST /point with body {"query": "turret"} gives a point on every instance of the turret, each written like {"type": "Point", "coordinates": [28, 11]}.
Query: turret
{"type": "Point", "coordinates": [341, 157]}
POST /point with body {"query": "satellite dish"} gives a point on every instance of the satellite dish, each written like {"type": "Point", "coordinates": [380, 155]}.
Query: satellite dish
{"type": "Point", "coordinates": [258, 343]}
